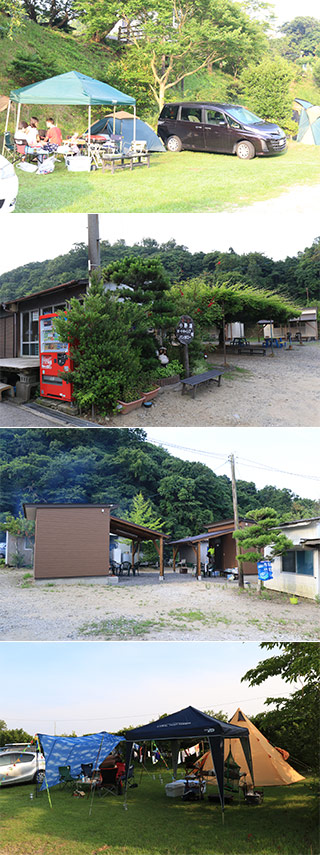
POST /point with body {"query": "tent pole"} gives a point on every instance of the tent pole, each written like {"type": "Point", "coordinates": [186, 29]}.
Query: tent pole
{"type": "Point", "coordinates": [6, 126]}
{"type": "Point", "coordinates": [114, 120]}
{"type": "Point", "coordinates": [18, 117]}
{"type": "Point", "coordinates": [89, 134]}
{"type": "Point", "coordinates": [134, 123]}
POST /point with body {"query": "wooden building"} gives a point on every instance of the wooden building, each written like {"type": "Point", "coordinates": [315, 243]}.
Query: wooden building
{"type": "Point", "coordinates": [219, 537]}
{"type": "Point", "coordinates": [72, 541]}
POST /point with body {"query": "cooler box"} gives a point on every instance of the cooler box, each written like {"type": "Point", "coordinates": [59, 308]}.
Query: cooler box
{"type": "Point", "coordinates": [78, 163]}
{"type": "Point", "coordinates": [175, 790]}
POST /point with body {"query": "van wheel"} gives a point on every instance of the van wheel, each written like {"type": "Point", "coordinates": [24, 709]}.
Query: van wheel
{"type": "Point", "coordinates": [245, 150]}
{"type": "Point", "coordinates": [174, 144]}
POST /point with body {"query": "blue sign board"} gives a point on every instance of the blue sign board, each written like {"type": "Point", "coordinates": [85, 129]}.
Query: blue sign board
{"type": "Point", "coordinates": [264, 570]}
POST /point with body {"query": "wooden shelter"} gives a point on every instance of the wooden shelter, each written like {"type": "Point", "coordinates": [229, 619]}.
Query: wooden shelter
{"type": "Point", "coordinates": [72, 541]}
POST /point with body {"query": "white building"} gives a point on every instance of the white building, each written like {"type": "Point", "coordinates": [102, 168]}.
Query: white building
{"type": "Point", "coordinates": [298, 570]}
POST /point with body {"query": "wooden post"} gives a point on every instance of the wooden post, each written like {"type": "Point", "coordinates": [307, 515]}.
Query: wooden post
{"type": "Point", "coordinates": [235, 515]}
{"type": "Point", "coordinates": [133, 550]}
{"type": "Point", "coordinates": [199, 561]}
{"type": "Point", "coordinates": [186, 360]}
{"type": "Point", "coordinates": [175, 551]}
{"type": "Point", "coordinates": [161, 567]}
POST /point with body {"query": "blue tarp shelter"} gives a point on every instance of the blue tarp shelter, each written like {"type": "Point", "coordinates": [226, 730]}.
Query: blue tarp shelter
{"type": "Point", "coordinates": [123, 124]}
{"type": "Point", "coordinates": [186, 727]}
{"type": "Point", "coordinates": [72, 751]}
{"type": "Point", "coordinates": [70, 88]}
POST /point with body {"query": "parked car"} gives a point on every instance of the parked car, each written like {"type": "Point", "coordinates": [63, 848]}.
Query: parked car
{"type": "Point", "coordinates": [221, 128]}
{"type": "Point", "coordinates": [20, 766]}
{"type": "Point", "coordinates": [9, 185]}
{"type": "Point", "coordinates": [3, 549]}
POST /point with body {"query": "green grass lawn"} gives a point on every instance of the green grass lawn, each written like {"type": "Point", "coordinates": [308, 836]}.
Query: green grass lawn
{"type": "Point", "coordinates": [185, 182]}
{"type": "Point", "coordinates": [154, 824]}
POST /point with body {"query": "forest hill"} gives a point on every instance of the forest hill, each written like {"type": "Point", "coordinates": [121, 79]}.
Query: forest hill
{"type": "Point", "coordinates": [96, 466]}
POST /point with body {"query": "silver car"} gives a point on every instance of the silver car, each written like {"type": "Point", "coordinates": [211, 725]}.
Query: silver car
{"type": "Point", "coordinates": [21, 766]}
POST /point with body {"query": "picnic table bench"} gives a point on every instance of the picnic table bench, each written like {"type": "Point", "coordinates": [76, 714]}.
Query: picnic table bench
{"type": "Point", "coordinates": [244, 346]}
{"type": "Point", "coordinates": [4, 387]}
{"type": "Point", "coordinates": [124, 161]}
{"type": "Point", "coordinates": [196, 380]}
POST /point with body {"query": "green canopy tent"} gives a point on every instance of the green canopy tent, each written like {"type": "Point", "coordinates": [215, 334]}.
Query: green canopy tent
{"type": "Point", "coordinates": [71, 88]}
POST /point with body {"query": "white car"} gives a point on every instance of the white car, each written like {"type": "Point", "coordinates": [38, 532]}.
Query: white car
{"type": "Point", "coordinates": [18, 766]}
{"type": "Point", "coordinates": [9, 185]}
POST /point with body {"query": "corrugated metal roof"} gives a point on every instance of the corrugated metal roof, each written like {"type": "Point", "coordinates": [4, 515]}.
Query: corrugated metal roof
{"type": "Point", "coordinates": [209, 535]}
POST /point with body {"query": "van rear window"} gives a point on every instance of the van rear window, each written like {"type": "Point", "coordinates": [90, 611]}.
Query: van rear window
{"type": "Point", "coordinates": [170, 111]}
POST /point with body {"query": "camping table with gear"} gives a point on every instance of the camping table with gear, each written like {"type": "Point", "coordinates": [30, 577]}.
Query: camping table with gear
{"type": "Point", "coordinates": [72, 88]}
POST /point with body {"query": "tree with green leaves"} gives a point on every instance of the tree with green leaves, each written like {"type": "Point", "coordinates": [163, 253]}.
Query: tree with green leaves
{"type": "Point", "coordinates": [302, 37]}
{"type": "Point", "coordinates": [106, 359]}
{"type": "Point", "coordinates": [294, 722]}
{"type": "Point", "coordinates": [266, 90]}
{"type": "Point", "coordinates": [174, 40]}
{"type": "Point", "coordinates": [17, 525]}
{"type": "Point", "coordinates": [148, 287]}
{"type": "Point", "coordinates": [13, 12]}
{"type": "Point", "coordinates": [264, 531]}
{"type": "Point", "coordinates": [143, 513]}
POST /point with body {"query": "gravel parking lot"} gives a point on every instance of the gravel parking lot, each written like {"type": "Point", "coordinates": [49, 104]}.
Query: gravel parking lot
{"type": "Point", "coordinates": [278, 391]}
{"type": "Point", "coordinates": [178, 609]}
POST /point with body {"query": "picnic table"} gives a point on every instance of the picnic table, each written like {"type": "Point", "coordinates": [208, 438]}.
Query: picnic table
{"type": "Point", "coordinates": [6, 387]}
{"type": "Point", "coordinates": [196, 380]}
{"type": "Point", "coordinates": [124, 161]}
{"type": "Point", "coordinates": [242, 345]}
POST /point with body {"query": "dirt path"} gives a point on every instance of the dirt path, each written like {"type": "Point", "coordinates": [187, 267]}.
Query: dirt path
{"type": "Point", "coordinates": [279, 391]}
{"type": "Point", "coordinates": [178, 609]}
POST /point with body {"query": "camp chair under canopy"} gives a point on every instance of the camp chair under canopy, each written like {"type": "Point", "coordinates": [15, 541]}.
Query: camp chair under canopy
{"type": "Point", "coordinates": [71, 88]}
{"type": "Point", "coordinates": [187, 727]}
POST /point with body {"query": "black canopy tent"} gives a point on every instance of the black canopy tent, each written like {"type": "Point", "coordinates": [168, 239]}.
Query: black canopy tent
{"type": "Point", "coordinates": [186, 727]}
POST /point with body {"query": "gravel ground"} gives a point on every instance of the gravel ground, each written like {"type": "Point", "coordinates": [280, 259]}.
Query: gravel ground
{"type": "Point", "coordinates": [178, 609]}
{"type": "Point", "coordinates": [283, 391]}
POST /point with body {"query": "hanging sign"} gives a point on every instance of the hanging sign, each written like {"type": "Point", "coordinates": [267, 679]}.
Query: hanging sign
{"type": "Point", "coordinates": [185, 330]}
{"type": "Point", "coordinates": [264, 570]}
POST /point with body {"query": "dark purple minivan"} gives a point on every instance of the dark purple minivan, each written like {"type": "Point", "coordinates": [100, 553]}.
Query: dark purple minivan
{"type": "Point", "coordinates": [221, 128]}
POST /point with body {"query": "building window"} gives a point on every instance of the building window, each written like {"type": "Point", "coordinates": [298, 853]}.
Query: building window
{"type": "Point", "coordinates": [30, 333]}
{"type": "Point", "coordinates": [298, 561]}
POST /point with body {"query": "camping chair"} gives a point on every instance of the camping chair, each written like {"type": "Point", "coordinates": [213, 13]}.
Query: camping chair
{"type": "Point", "coordinates": [138, 147]}
{"type": "Point", "coordinates": [111, 783]}
{"type": "Point", "coordinates": [66, 779]}
{"type": "Point", "coordinates": [8, 146]}
{"type": "Point", "coordinates": [86, 769]}
{"type": "Point", "coordinates": [117, 141]}
{"type": "Point", "coordinates": [115, 568]}
{"type": "Point", "coordinates": [125, 567]}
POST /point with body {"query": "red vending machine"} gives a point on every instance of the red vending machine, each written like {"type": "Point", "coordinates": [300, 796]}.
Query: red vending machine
{"type": "Point", "coordinates": [54, 361]}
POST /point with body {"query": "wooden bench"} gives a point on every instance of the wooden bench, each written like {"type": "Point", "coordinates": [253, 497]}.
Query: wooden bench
{"type": "Point", "coordinates": [124, 161]}
{"type": "Point", "coordinates": [198, 379]}
{"type": "Point", "coordinates": [4, 387]}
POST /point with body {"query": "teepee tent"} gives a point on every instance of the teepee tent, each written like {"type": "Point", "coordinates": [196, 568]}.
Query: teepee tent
{"type": "Point", "coordinates": [269, 767]}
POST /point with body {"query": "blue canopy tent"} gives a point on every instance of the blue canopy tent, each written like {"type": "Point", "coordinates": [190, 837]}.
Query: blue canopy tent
{"type": "Point", "coordinates": [72, 751]}
{"type": "Point", "coordinates": [70, 88]}
{"type": "Point", "coordinates": [186, 727]}
{"type": "Point", "coordinates": [122, 123]}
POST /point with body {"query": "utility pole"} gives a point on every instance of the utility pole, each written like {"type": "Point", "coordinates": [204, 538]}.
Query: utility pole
{"type": "Point", "coordinates": [235, 514]}
{"type": "Point", "coordinates": [93, 244]}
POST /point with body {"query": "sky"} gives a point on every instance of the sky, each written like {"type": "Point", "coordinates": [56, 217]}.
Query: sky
{"type": "Point", "coordinates": [286, 10]}
{"type": "Point", "coordinates": [37, 237]}
{"type": "Point", "coordinates": [293, 450]}
{"type": "Point", "coordinates": [93, 686]}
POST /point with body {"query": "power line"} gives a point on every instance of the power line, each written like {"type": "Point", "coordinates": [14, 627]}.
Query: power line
{"type": "Point", "coordinates": [243, 460]}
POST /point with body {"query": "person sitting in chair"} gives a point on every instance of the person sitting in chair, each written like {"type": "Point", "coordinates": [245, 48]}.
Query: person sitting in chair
{"type": "Point", "coordinates": [53, 136]}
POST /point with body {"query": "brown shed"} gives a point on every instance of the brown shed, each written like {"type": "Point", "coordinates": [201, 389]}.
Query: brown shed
{"type": "Point", "coordinates": [72, 540]}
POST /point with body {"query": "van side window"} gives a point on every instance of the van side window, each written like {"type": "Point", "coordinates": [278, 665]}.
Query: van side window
{"type": "Point", "coordinates": [191, 114]}
{"type": "Point", "coordinates": [170, 111]}
{"type": "Point", "coordinates": [214, 117]}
